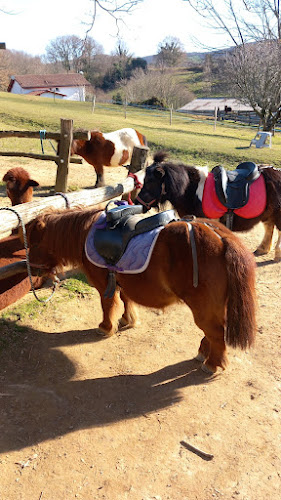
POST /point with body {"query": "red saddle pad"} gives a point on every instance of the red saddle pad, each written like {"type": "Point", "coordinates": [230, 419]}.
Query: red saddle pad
{"type": "Point", "coordinates": [214, 209]}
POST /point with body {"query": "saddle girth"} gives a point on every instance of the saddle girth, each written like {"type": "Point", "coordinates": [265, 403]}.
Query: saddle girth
{"type": "Point", "coordinates": [121, 225]}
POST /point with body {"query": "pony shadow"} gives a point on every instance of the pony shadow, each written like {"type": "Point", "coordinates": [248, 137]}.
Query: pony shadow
{"type": "Point", "coordinates": [242, 147]}
{"type": "Point", "coordinates": [40, 400]}
{"type": "Point", "coordinates": [266, 263]}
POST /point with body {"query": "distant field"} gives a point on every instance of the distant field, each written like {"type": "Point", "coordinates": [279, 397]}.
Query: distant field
{"type": "Point", "coordinates": [187, 139]}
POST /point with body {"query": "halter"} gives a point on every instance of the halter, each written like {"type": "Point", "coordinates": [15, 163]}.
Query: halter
{"type": "Point", "coordinates": [137, 185]}
{"type": "Point", "coordinates": [144, 203]}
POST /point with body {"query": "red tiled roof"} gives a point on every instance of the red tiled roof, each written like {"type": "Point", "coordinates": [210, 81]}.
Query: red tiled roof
{"type": "Point", "coordinates": [52, 80]}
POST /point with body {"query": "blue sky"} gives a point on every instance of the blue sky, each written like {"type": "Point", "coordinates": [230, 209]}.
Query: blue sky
{"type": "Point", "coordinates": [35, 23]}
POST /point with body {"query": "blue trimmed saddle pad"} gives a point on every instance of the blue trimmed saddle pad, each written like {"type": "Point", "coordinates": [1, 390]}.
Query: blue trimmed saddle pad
{"type": "Point", "coordinates": [136, 257]}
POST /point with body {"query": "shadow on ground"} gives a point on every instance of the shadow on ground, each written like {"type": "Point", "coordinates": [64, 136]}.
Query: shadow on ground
{"type": "Point", "coordinates": [40, 400]}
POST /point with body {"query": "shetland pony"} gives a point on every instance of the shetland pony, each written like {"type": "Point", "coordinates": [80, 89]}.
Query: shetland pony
{"type": "Point", "coordinates": [19, 188]}
{"type": "Point", "coordinates": [183, 185]}
{"type": "Point", "coordinates": [112, 149]}
{"type": "Point", "coordinates": [19, 185]}
{"type": "Point", "coordinates": [223, 303]}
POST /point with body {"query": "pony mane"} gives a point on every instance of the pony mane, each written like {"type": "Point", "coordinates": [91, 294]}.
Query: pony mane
{"type": "Point", "coordinates": [160, 156]}
{"type": "Point", "coordinates": [178, 178]}
{"type": "Point", "coordinates": [64, 231]}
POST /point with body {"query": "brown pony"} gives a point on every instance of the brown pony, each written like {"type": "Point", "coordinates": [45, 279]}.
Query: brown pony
{"type": "Point", "coordinates": [112, 149]}
{"type": "Point", "coordinates": [183, 186]}
{"type": "Point", "coordinates": [19, 185]}
{"type": "Point", "coordinates": [20, 190]}
{"type": "Point", "coordinates": [223, 303]}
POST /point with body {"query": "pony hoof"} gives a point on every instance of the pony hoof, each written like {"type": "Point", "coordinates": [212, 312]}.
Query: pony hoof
{"type": "Point", "coordinates": [208, 369]}
{"type": "Point", "coordinates": [260, 251]}
{"type": "Point", "coordinates": [104, 333]}
{"type": "Point", "coordinates": [200, 357]}
{"type": "Point", "coordinates": [124, 323]}
{"type": "Point", "coordinates": [277, 258]}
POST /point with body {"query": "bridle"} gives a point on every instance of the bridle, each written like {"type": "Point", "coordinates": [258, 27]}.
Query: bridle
{"type": "Point", "coordinates": [147, 205]}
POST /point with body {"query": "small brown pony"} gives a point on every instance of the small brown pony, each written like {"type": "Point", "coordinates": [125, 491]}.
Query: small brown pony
{"type": "Point", "coordinates": [112, 149]}
{"type": "Point", "coordinates": [19, 188]}
{"type": "Point", "coordinates": [223, 303]}
{"type": "Point", "coordinates": [19, 185]}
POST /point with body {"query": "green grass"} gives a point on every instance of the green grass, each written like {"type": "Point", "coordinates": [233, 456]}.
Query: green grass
{"type": "Point", "coordinates": [188, 139]}
{"type": "Point", "coordinates": [77, 285]}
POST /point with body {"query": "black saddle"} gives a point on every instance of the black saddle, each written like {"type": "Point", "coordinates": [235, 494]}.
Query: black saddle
{"type": "Point", "coordinates": [232, 186]}
{"type": "Point", "coordinates": [122, 224]}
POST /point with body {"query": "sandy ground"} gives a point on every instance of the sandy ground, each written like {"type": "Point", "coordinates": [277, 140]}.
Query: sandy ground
{"type": "Point", "coordinates": [84, 417]}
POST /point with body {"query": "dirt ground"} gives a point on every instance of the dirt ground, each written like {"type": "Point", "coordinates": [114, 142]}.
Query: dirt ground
{"type": "Point", "coordinates": [84, 417]}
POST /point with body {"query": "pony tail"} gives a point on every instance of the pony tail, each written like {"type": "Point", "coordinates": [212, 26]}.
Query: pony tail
{"type": "Point", "coordinates": [241, 304]}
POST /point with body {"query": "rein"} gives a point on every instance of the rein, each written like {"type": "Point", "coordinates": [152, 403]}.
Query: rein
{"type": "Point", "coordinates": [28, 265]}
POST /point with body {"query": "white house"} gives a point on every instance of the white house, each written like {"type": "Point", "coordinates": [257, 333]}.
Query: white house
{"type": "Point", "coordinates": [69, 86]}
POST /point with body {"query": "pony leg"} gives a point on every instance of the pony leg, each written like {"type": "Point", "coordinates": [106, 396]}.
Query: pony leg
{"type": "Point", "coordinates": [212, 348]}
{"type": "Point", "coordinates": [110, 309]}
{"type": "Point", "coordinates": [277, 257]}
{"type": "Point", "coordinates": [100, 176]}
{"type": "Point", "coordinates": [130, 316]}
{"type": "Point", "coordinates": [265, 245]}
{"type": "Point", "coordinates": [204, 350]}
{"type": "Point", "coordinates": [217, 356]}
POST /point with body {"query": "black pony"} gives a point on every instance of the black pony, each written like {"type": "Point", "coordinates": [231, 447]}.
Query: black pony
{"type": "Point", "coordinates": [183, 185]}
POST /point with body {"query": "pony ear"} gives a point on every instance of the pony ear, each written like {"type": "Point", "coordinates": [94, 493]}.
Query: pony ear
{"type": "Point", "coordinates": [33, 183]}
{"type": "Point", "coordinates": [8, 177]}
{"type": "Point", "coordinates": [159, 173]}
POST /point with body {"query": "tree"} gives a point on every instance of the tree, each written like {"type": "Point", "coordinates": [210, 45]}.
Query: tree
{"type": "Point", "coordinates": [254, 70]}
{"type": "Point", "coordinates": [75, 54]}
{"type": "Point", "coordinates": [170, 52]}
{"type": "Point", "coordinates": [66, 50]}
{"type": "Point", "coordinates": [254, 28]}
{"type": "Point", "coordinates": [156, 87]}
{"type": "Point", "coordinates": [242, 21]}
{"type": "Point", "coordinates": [115, 8]}
{"type": "Point", "coordinates": [123, 65]}
{"type": "Point", "coordinates": [13, 62]}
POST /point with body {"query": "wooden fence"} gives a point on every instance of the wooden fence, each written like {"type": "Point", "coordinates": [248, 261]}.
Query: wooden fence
{"type": "Point", "coordinates": [86, 197]}
{"type": "Point", "coordinates": [65, 136]}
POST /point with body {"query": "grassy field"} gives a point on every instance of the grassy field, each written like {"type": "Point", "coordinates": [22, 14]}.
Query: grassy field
{"type": "Point", "coordinates": [187, 139]}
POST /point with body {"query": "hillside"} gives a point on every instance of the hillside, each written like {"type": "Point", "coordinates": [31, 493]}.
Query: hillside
{"type": "Point", "coordinates": [196, 77]}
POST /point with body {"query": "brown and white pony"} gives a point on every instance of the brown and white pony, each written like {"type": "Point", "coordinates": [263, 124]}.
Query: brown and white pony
{"type": "Point", "coordinates": [19, 185]}
{"type": "Point", "coordinates": [111, 150]}
{"type": "Point", "coordinates": [183, 185]}
{"type": "Point", "coordinates": [223, 303]}
{"type": "Point", "coordinates": [20, 190]}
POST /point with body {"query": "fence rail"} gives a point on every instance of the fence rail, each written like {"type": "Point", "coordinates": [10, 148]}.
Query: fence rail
{"type": "Point", "coordinates": [62, 158]}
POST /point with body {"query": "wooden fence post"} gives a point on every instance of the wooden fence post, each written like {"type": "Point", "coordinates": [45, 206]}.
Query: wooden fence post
{"type": "Point", "coordinates": [138, 163]}
{"type": "Point", "coordinates": [138, 160]}
{"type": "Point", "coordinates": [64, 155]}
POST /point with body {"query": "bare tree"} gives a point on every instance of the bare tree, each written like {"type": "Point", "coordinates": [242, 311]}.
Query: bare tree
{"type": "Point", "coordinates": [254, 28]}
{"type": "Point", "coordinates": [155, 87]}
{"type": "Point", "coordinates": [114, 8]}
{"type": "Point", "coordinates": [242, 21]}
{"type": "Point", "coordinates": [254, 70]}
{"type": "Point", "coordinates": [170, 53]}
